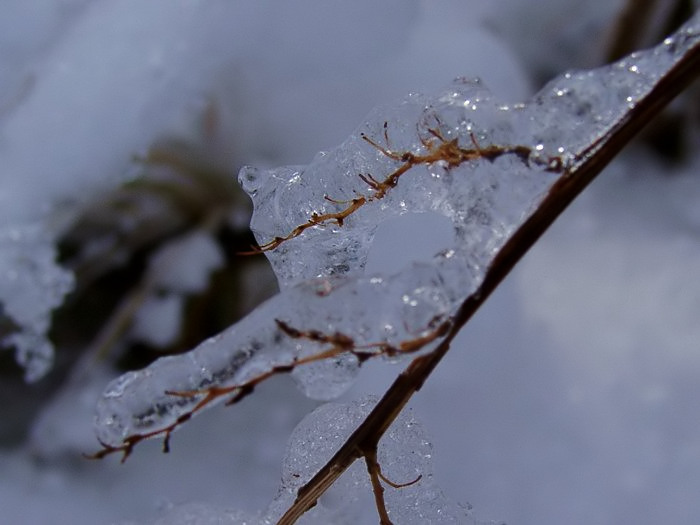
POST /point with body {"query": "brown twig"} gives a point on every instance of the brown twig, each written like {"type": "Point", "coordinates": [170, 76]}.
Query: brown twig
{"type": "Point", "coordinates": [438, 149]}
{"type": "Point", "coordinates": [316, 219]}
{"type": "Point", "coordinates": [338, 343]}
{"type": "Point", "coordinates": [641, 22]}
{"type": "Point", "coordinates": [366, 437]}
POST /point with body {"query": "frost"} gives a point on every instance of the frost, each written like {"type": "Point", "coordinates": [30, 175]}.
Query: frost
{"type": "Point", "coordinates": [483, 165]}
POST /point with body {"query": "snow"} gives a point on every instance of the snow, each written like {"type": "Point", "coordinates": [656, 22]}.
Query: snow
{"type": "Point", "coordinates": [31, 286]}
{"type": "Point", "coordinates": [158, 320]}
{"type": "Point", "coordinates": [181, 267]}
{"type": "Point", "coordinates": [184, 265]}
{"type": "Point", "coordinates": [569, 399]}
{"type": "Point", "coordinates": [86, 144]}
{"type": "Point", "coordinates": [204, 514]}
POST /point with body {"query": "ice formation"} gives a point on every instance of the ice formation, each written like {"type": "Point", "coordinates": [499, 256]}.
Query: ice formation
{"type": "Point", "coordinates": [405, 455]}
{"type": "Point", "coordinates": [484, 165]}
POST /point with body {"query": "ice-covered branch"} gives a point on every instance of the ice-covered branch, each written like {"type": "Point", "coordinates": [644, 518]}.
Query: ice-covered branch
{"type": "Point", "coordinates": [499, 173]}
{"type": "Point", "coordinates": [669, 68]}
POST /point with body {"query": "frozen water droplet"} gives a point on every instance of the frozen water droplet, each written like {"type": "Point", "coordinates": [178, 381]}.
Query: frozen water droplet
{"type": "Point", "coordinates": [249, 179]}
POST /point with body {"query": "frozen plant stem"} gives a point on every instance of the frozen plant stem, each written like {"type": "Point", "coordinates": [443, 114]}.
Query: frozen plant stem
{"type": "Point", "coordinates": [364, 440]}
{"type": "Point", "coordinates": [501, 174]}
{"type": "Point", "coordinates": [438, 150]}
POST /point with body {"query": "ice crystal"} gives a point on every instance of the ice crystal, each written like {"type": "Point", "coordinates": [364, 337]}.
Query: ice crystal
{"type": "Point", "coordinates": [483, 165]}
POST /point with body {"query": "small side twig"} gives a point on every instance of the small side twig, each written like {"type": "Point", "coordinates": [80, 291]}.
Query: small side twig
{"type": "Point", "coordinates": [375, 473]}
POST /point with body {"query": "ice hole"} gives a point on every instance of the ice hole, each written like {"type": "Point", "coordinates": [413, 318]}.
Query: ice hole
{"type": "Point", "coordinates": [409, 238]}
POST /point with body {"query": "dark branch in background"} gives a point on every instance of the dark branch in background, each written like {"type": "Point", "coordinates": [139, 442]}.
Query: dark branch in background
{"type": "Point", "coordinates": [363, 442]}
{"type": "Point", "coordinates": [643, 22]}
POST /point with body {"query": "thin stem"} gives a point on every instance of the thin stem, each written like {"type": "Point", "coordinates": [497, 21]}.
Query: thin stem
{"type": "Point", "coordinates": [375, 476]}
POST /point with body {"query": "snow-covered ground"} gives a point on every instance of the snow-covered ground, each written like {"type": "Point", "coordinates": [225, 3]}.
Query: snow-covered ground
{"type": "Point", "coordinates": [570, 398]}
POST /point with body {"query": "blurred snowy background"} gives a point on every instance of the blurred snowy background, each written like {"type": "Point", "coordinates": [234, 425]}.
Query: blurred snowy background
{"type": "Point", "coordinates": [570, 398]}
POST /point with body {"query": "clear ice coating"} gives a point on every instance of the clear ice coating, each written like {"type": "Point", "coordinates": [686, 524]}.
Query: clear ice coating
{"type": "Point", "coordinates": [405, 455]}
{"type": "Point", "coordinates": [508, 157]}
